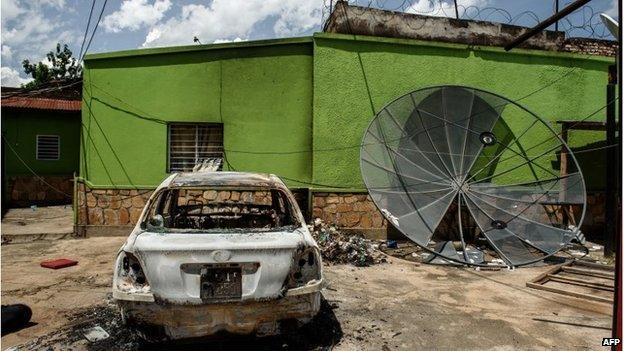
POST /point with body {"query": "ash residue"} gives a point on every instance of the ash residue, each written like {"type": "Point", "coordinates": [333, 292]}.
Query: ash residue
{"type": "Point", "coordinates": [338, 247]}
{"type": "Point", "coordinates": [322, 333]}
{"type": "Point", "coordinates": [72, 336]}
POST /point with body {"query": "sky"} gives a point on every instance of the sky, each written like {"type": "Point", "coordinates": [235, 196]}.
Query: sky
{"type": "Point", "coordinates": [31, 28]}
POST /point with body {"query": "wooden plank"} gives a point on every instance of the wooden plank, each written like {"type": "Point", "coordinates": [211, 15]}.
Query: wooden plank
{"type": "Point", "coordinates": [594, 265]}
{"type": "Point", "coordinates": [542, 277]}
{"type": "Point", "coordinates": [569, 293]}
{"type": "Point", "coordinates": [588, 273]}
{"type": "Point", "coordinates": [579, 282]}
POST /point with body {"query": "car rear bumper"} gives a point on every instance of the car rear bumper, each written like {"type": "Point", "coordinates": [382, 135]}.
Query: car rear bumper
{"type": "Point", "coordinates": [160, 321]}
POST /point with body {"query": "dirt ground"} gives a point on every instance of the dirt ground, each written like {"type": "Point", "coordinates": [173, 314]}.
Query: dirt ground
{"type": "Point", "coordinates": [391, 306]}
{"type": "Point", "coordinates": [21, 225]}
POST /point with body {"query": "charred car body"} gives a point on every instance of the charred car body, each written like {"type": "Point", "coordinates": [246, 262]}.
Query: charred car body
{"type": "Point", "coordinates": [218, 251]}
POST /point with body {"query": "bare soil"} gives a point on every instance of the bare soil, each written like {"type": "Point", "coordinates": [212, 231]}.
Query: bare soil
{"type": "Point", "coordinates": [391, 306]}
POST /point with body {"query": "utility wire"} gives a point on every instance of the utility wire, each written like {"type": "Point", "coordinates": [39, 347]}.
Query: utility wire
{"type": "Point", "coordinates": [84, 38]}
{"type": "Point", "coordinates": [6, 142]}
{"type": "Point", "coordinates": [94, 31]}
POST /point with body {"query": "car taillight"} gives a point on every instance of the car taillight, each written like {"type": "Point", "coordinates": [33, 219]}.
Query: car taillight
{"type": "Point", "coordinates": [305, 267]}
{"type": "Point", "coordinates": [130, 276]}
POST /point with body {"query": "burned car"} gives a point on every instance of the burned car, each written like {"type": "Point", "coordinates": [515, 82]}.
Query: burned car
{"type": "Point", "coordinates": [218, 251]}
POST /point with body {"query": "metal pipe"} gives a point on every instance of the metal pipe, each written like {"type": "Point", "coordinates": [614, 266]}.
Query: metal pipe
{"type": "Point", "coordinates": [547, 22]}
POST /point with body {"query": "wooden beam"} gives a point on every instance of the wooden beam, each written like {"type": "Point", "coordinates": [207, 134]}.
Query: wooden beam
{"type": "Point", "coordinates": [579, 282]}
{"type": "Point", "coordinates": [569, 293]}
{"type": "Point", "coordinates": [588, 273]}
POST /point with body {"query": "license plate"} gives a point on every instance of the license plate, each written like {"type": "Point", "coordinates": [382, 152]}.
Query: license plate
{"type": "Point", "coordinates": [223, 283]}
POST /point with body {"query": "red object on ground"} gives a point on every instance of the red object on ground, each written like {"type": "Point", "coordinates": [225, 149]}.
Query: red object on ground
{"type": "Point", "coordinates": [60, 263]}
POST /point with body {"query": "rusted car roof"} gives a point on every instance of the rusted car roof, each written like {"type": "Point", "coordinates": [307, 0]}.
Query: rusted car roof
{"type": "Point", "coordinates": [226, 179]}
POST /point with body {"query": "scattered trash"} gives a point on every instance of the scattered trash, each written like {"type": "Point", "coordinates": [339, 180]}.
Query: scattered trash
{"type": "Point", "coordinates": [33, 207]}
{"type": "Point", "coordinates": [96, 334]}
{"type": "Point", "coordinates": [392, 244]}
{"type": "Point", "coordinates": [594, 248]}
{"type": "Point", "coordinates": [59, 263]}
{"type": "Point", "coordinates": [338, 247]}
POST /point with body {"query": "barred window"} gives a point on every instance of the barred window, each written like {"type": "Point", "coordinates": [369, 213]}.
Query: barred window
{"type": "Point", "coordinates": [192, 144]}
{"type": "Point", "coordinates": [48, 147]}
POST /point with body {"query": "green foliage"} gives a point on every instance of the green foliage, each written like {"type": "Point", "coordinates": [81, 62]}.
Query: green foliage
{"type": "Point", "coordinates": [61, 66]}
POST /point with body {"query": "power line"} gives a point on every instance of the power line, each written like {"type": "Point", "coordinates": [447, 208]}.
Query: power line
{"type": "Point", "coordinates": [94, 30]}
{"type": "Point", "coordinates": [6, 142]}
{"type": "Point", "coordinates": [84, 38]}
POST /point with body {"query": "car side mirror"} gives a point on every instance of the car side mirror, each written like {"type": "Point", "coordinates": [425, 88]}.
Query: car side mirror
{"type": "Point", "coordinates": [156, 222]}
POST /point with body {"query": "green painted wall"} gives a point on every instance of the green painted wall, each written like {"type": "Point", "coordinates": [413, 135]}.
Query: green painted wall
{"type": "Point", "coordinates": [21, 127]}
{"type": "Point", "coordinates": [261, 93]}
{"type": "Point", "coordinates": [299, 107]}
{"type": "Point", "coordinates": [354, 77]}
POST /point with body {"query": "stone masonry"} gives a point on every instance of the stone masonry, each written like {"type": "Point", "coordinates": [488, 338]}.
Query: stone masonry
{"type": "Point", "coordinates": [114, 207]}
{"type": "Point", "coordinates": [353, 211]}
{"type": "Point", "coordinates": [45, 190]}
{"type": "Point", "coordinates": [358, 212]}
{"type": "Point", "coordinates": [348, 210]}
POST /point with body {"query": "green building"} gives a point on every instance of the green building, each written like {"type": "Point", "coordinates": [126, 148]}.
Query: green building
{"type": "Point", "coordinates": [40, 144]}
{"type": "Point", "coordinates": [298, 108]}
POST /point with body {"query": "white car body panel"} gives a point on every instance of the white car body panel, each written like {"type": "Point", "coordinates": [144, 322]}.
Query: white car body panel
{"type": "Point", "coordinates": [171, 261]}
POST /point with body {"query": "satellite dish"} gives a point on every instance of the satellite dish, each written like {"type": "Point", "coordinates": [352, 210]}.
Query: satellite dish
{"type": "Point", "coordinates": [611, 25]}
{"type": "Point", "coordinates": [476, 160]}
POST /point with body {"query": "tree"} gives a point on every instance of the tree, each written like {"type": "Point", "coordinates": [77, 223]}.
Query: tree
{"type": "Point", "coordinates": [61, 65]}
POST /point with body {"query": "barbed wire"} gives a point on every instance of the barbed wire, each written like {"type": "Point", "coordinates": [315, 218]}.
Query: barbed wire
{"type": "Point", "coordinates": [584, 22]}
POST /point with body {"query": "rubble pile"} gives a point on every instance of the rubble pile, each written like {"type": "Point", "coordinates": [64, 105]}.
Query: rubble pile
{"type": "Point", "coordinates": [338, 247]}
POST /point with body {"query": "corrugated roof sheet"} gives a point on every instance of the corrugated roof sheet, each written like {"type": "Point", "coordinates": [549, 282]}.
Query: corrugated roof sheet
{"type": "Point", "coordinates": [41, 103]}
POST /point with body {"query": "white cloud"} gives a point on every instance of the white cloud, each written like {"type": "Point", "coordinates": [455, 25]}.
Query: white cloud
{"type": "Point", "coordinates": [136, 14]}
{"type": "Point", "coordinates": [10, 10]}
{"type": "Point", "coordinates": [10, 78]}
{"type": "Point", "coordinates": [225, 19]}
{"type": "Point", "coordinates": [7, 52]}
{"type": "Point", "coordinates": [30, 30]}
{"type": "Point", "coordinates": [221, 41]}
{"type": "Point", "coordinates": [613, 9]}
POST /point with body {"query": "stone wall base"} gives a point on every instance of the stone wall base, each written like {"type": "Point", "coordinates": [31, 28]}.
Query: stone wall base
{"type": "Point", "coordinates": [112, 212]}
{"type": "Point", "coordinates": [356, 212]}
{"type": "Point", "coordinates": [25, 191]}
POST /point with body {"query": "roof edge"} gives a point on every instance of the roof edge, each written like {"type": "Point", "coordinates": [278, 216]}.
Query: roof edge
{"type": "Point", "coordinates": [457, 46]}
{"type": "Point", "coordinates": [193, 48]}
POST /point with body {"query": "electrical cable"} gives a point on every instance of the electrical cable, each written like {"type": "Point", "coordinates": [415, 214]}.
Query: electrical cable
{"type": "Point", "coordinates": [84, 38]}
{"type": "Point", "coordinates": [94, 31]}
{"type": "Point", "coordinates": [6, 142]}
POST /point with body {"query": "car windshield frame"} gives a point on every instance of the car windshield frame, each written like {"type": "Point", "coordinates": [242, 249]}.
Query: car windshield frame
{"type": "Point", "coordinates": [291, 210]}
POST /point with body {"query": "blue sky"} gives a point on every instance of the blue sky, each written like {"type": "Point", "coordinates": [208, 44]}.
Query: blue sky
{"type": "Point", "coordinates": [33, 27]}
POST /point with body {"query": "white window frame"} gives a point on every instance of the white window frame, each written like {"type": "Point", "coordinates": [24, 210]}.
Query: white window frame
{"type": "Point", "coordinates": [58, 146]}
{"type": "Point", "coordinates": [197, 126]}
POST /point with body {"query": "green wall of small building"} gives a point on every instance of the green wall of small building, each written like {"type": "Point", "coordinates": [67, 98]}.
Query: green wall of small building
{"type": "Point", "coordinates": [298, 107]}
{"type": "Point", "coordinates": [20, 128]}
{"type": "Point", "coordinates": [261, 94]}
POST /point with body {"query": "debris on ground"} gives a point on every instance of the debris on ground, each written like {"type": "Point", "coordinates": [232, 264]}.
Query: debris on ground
{"type": "Point", "coordinates": [59, 263]}
{"type": "Point", "coordinates": [339, 247]}
{"type": "Point", "coordinates": [96, 334]}
{"type": "Point", "coordinates": [83, 322]}
{"type": "Point", "coordinates": [103, 328]}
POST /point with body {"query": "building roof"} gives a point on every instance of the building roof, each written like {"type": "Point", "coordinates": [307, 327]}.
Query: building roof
{"type": "Point", "coordinates": [202, 47]}
{"type": "Point", "coordinates": [41, 103]}
{"type": "Point", "coordinates": [58, 95]}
